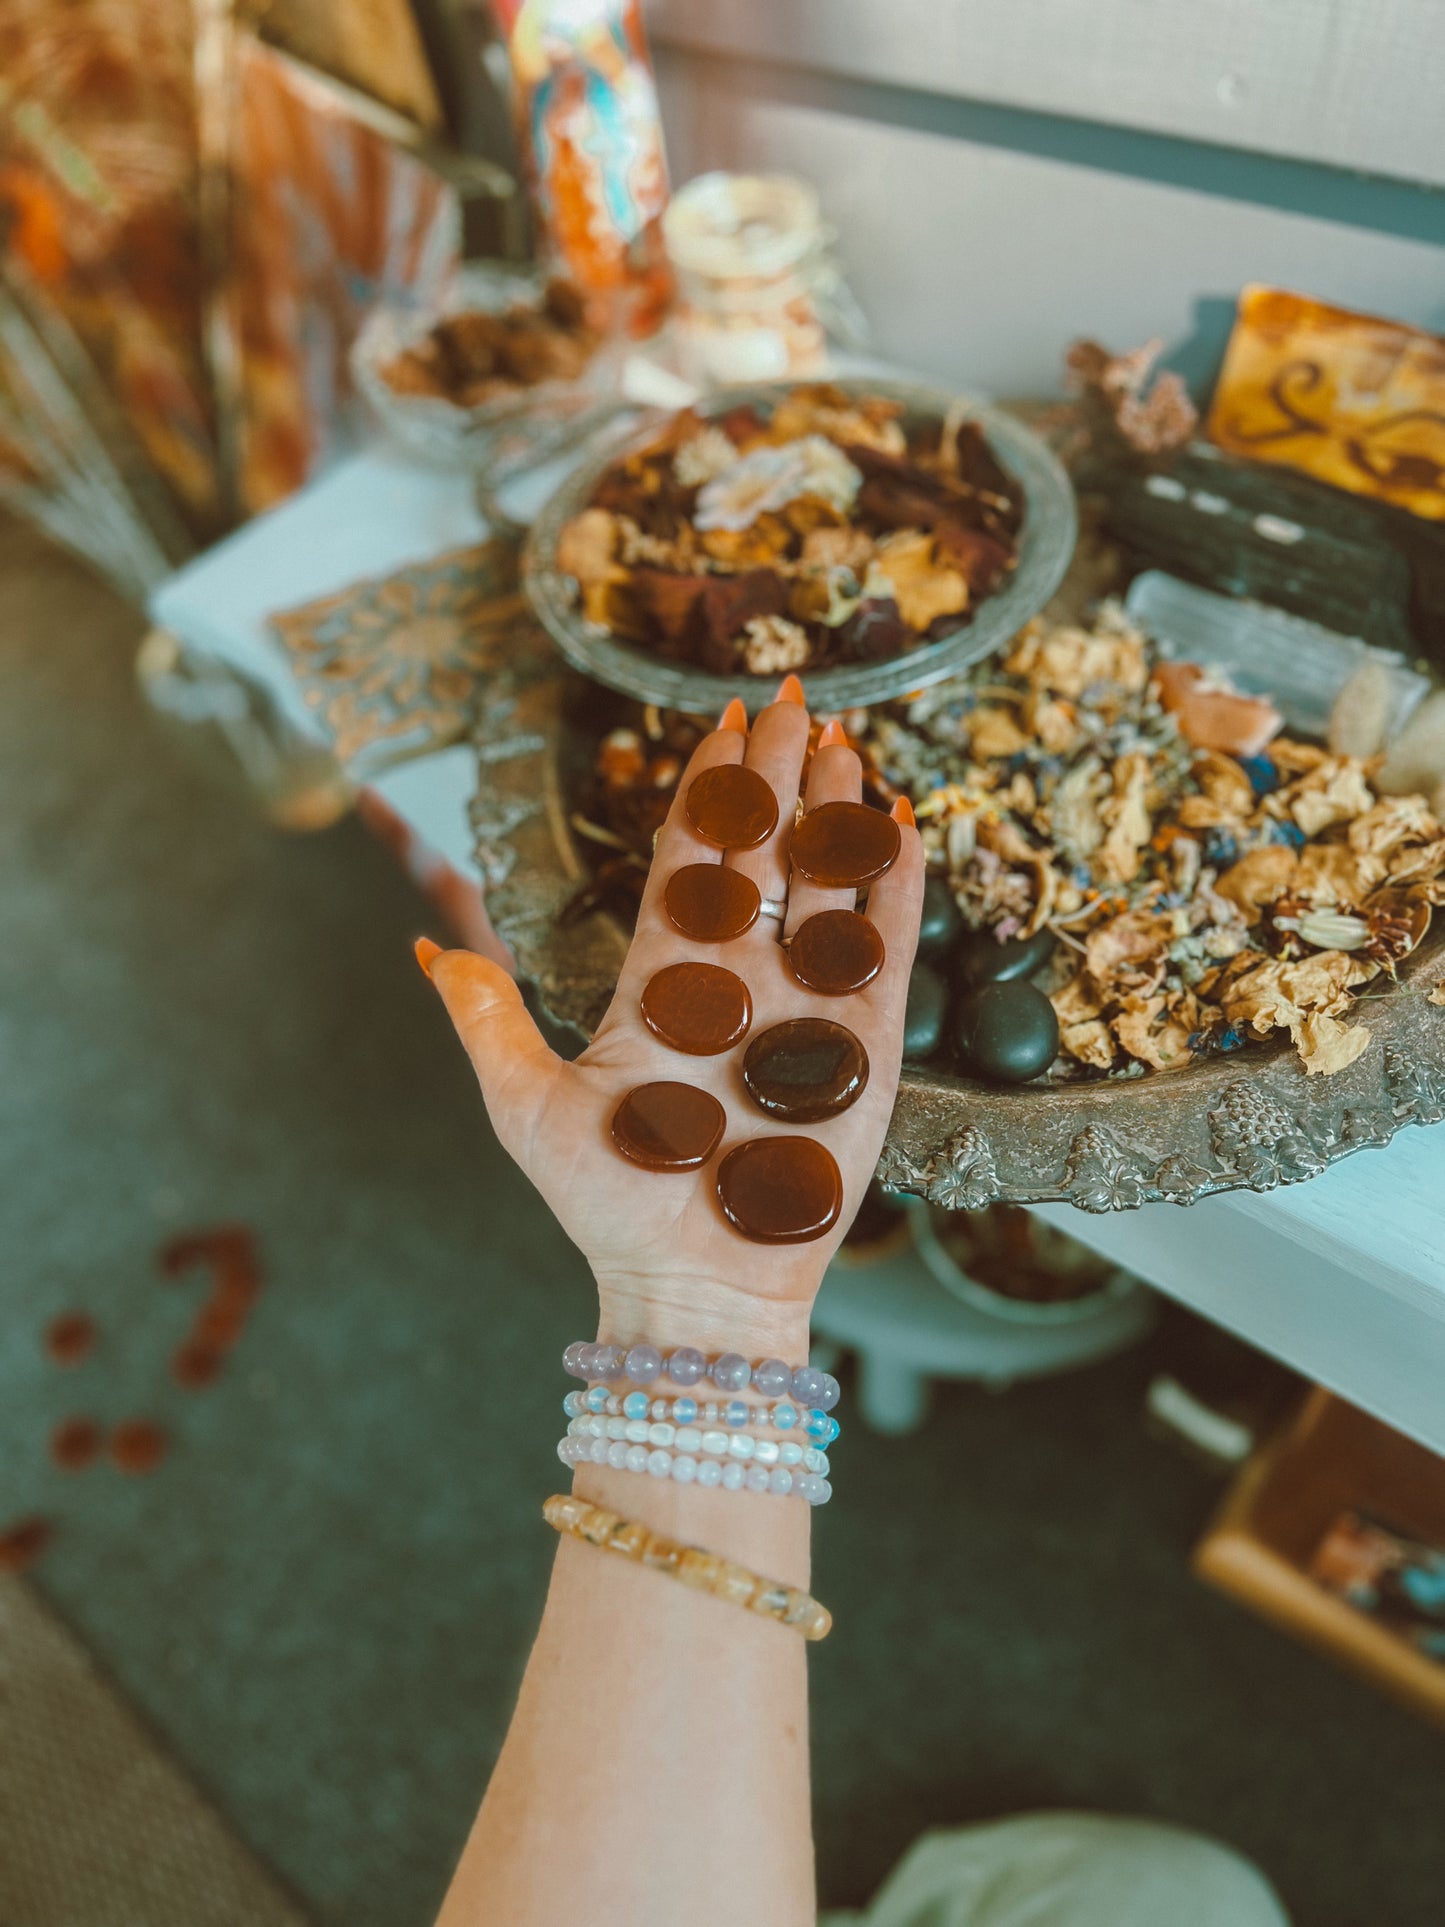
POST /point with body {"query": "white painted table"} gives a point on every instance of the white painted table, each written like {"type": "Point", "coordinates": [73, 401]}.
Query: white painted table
{"type": "Point", "coordinates": [1343, 1277]}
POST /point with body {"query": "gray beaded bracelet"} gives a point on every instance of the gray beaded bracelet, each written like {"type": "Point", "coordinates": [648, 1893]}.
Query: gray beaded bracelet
{"type": "Point", "coordinates": [641, 1363]}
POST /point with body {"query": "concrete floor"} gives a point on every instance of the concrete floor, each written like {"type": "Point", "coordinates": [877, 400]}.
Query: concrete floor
{"type": "Point", "coordinates": [323, 1599]}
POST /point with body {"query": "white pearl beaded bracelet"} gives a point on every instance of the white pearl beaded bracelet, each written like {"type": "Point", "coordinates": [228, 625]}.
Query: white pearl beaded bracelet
{"type": "Point", "coordinates": [729, 1469]}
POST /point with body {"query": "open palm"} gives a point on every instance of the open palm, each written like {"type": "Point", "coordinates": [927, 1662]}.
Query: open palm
{"type": "Point", "coordinates": [662, 1235]}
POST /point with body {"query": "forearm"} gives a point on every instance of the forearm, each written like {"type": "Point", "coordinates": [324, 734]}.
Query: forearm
{"type": "Point", "coordinates": [658, 1756]}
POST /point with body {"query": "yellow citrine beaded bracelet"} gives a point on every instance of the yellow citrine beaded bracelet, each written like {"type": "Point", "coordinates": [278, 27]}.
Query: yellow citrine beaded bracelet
{"type": "Point", "coordinates": [691, 1565]}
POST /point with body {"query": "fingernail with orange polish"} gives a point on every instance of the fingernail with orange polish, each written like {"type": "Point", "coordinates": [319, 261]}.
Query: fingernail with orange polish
{"type": "Point", "coordinates": [427, 953]}
{"type": "Point", "coordinates": [832, 733]}
{"type": "Point", "coordinates": [902, 811]}
{"type": "Point", "coordinates": [735, 717]}
{"type": "Point", "coordinates": [791, 692]}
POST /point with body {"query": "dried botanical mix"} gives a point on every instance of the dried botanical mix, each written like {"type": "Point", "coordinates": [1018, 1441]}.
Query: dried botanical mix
{"type": "Point", "coordinates": [818, 531]}
{"type": "Point", "coordinates": [1201, 899]}
{"type": "Point", "coordinates": [473, 358]}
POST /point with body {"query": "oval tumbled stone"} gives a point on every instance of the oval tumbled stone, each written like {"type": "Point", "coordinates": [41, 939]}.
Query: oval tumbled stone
{"type": "Point", "coordinates": [805, 1070]}
{"type": "Point", "coordinates": [711, 903]}
{"type": "Point", "coordinates": [699, 1008]}
{"type": "Point", "coordinates": [844, 845]}
{"type": "Point", "coordinates": [780, 1190]}
{"type": "Point", "coordinates": [836, 952]}
{"type": "Point", "coordinates": [732, 806]}
{"type": "Point", "coordinates": [668, 1127]}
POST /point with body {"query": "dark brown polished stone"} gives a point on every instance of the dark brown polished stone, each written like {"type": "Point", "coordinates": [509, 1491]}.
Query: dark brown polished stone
{"type": "Point", "coordinates": [668, 1127]}
{"type": "Point", "coordinates": [732, 806]}
{"type": "Point", "coordinates": [844, 845]}
{"type": "Point", "coordinates": [805, 1070]}
{"type": "Point", "coordinates": [699, 1008]}
{"type": "Point", "coordinates": [836, 952]}
{"type": "Point", "coordinates": [711, 903]}
{"type": "Point", "coordinates": [780, 1190]}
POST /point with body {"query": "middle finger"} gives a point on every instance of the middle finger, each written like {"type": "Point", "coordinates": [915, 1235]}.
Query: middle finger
{"type": "Point", "coordinates": [776, 748]}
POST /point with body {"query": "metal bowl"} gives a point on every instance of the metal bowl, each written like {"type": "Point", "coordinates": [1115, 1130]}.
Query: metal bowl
{"type": "Point", "coordinates": [1050, 529]}
{"type": "Point", "coordinates": [1249, 1120]}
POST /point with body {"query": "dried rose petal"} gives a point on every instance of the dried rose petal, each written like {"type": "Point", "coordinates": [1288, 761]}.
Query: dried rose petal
{"type": "Point", "coordinates": [138, 1445]}
{"type": "Point", "coordinates": [22, 1543]}
{"type": "Point", "coordinates": [195, 1364]}
{"type": "Point", "coordinates": [75, 1443]}
{"type": "Point", "coordinates": [70, 1338]}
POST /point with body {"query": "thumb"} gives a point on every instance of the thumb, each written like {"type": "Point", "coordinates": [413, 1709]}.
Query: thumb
{"type": "Point", "coordinates": [514, 1064]}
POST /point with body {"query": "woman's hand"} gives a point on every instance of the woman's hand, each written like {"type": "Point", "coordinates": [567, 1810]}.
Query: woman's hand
{"type": "Point", "coordinates": [668, 1263]}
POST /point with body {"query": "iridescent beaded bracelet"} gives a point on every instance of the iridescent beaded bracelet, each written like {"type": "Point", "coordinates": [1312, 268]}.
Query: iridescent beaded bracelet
{"type": "Point", "coordinates": [691, 1565]}
{"type": "Point", "coordinates": [732, 1474]}
{"type": "Point", "coordinates": [640, 1364]}
{"type": "Point", "coordinates": [690, 1439]}
{"type": "Point", "coordinates": [820, 1426]}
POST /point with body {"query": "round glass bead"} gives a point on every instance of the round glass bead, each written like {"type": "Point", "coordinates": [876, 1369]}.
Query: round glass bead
{"type": "Point", "coordinates": [660, 1408]}
{"type": "Point", "coordinates": [564, 1451]}
{"type": "Point", "coordinates": [709, 1412]}
{"type": "Point", "coordinates": [684, 1410]}
{"type": "Point", "coordinates": [635, 1405]}
{"type": "Point", "coordinates": [597, 1396]}
{"type": "Point", "coordinates": [741, 1445]}
{"type": "Point", "coordinates": [586, 1355]}
{"type": "Point", "coordinates": [736, 1413]}
{"type": "Point", "coordinates": [617, 1456]}
{"type": "Point", "coordinates": [574, 1403]}
{"type": "Point", "coordinates": [659, 1464]}
{"type": "Point", "coordinates": [757, 1478]}
{"type": "Point", "coordinates": [790, 1453]}
{"type": "Point", "coordinates": [643, 1363]}
{"type": "Point", "coordinates": [780, 1481]}
{"type": "Point", "coordinates": [715, 1444]}
{"type": "Point", "coordinates": [684, 1468]}
{"type": "Point", "coordinates": [597, 1427]}
{"type": "Point", "coordinates": [785, 1416]}
{"type": "Point", "coordinates": [637, 1430]}
{"type": "Point", "coordinates": [810, 1487]}
{"type": "Point", "coordinates": [689, 1439]}
{"type": "Point", "coordinates": [659, 1434]}
{"type": "Point", "coordinates": [772, 1378]}
{"type": "Point", "coordinates": [709, 1472]}
{"type": "Point", "coordinates": [614, 1404]}
{"type": "Point", "coordinates": [686, 1365]}
{"type": "Point", "coordinates": [572, 1358]}
{"type": "Point", "coordinates": [607, 1362]}
{"type": "Point", "coordinates": [825, 1492]}
{"type": "Point", "coordinates": [765, 1451]}
{"type": "Point", "coordinates": [832, 1392]}
{"type": "Point", "coordinates": [808, 1385]}
{"type": "Point", "coordinates": [733, 1474]}
{"type": "Point", "coordinates": [731, 1372]}
{"type": "Point", "coordinates": [617, 1428]}
{"type": "Point", "coordinates": [597, 1451]}
{"type": "Point", "coordinates": [637, 1458]}
{"type": "Point", "coordinates": [814, 1460]}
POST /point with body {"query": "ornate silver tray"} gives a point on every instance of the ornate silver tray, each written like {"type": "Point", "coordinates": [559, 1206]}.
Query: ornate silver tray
{"type": "Point", "coordinates": [1046, 543]}
{"type": "Point", "coordinates": [1249, 1120]}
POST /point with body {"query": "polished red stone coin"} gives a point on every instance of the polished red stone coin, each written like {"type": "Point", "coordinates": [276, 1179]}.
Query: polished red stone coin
{"type": "Point", "coordinates": [844, 845]}
{"type": "Point", "coordinates": [710, 903]}
{"type": "Point", "coordinates": [699, 1008]}
{"type": "Point", "coordinates": [780, 1190]}
{"type": "Point", "coordinates": [732, 806]}
{"type": "Point", "coordinates": [836, 952]}
{"type": "Point", "coordinates": [668, 1127]}
{"type": "Point", "coordinates": [805, 1070]}
{"type": "Point", "coordinates": [138, 1445]}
